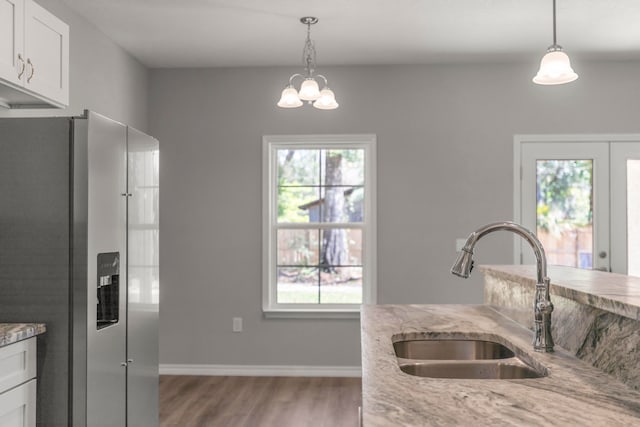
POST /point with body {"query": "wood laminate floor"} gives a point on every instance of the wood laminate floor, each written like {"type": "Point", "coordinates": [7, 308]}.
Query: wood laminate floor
{"type": "Point", "coordinates": [198, 401]}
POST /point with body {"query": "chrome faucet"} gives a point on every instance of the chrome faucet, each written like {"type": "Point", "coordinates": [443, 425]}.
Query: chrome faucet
{"type": "Point", "coordinates": [543, 341]}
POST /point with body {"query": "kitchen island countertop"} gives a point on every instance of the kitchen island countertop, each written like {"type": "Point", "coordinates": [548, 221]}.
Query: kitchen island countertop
{"type": "Point", "coordinates": [573, 392]}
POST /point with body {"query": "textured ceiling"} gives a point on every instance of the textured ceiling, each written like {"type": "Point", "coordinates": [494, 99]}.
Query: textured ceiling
{"type": "Point", "coordinates": [224, 33]}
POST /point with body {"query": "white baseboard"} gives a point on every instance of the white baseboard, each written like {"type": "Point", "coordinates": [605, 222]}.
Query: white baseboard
{"type": "Point", "coordinates": [261, 370]}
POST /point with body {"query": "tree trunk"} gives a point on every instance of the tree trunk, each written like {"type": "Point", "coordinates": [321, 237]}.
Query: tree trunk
{"type": "Point", "coordinates": [334, 247]}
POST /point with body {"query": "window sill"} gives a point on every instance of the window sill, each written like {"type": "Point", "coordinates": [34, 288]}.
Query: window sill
{"type": "Point", "coordinates": [311, 314]}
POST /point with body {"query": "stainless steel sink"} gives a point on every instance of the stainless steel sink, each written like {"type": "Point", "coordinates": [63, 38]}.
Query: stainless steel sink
{"type": "Point", "coordinates": [505, 370]}
{"type": "Point", "coordinates": [442, 349]}
{"type": "Point", "coordinates": [461, 359]}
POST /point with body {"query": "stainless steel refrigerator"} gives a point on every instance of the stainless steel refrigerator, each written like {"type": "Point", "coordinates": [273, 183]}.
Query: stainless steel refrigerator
{"type": "Point", "coordinates": [79, 251]}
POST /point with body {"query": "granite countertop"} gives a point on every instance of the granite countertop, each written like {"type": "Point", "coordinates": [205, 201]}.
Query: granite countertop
{"type": "Point", "coordinates": [13, 332]}
{"type": "Point", "coordinates": [573, 392]}
{"type": "Point", "coordinates": [612, 292]}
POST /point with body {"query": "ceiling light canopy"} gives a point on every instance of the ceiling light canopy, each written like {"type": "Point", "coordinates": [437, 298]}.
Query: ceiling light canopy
{"type": "Point", "coordinates": [555, 66]}
{"type": "Point", "coordinates": [309, 89]}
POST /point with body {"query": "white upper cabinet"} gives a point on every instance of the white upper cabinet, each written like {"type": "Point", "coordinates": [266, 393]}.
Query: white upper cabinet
{"type": "Point", "coordinates": [34, 56]}
{"type": "Point", "coordinates": [11, 40]}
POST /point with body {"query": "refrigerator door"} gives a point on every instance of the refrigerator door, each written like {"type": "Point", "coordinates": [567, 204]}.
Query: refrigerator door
{"type": "Point", "coordinates": [143, 279]}
{"type": "Point", "coordinates": [106, 268]}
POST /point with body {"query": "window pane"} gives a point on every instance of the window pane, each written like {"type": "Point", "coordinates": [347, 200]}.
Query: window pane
{"type": "Point", "coordinates": [297, 286]}
{"type": "Point", "coordinates": [565, 211]}
{"type": "Point", "coordinates": [341, 285]}
{"type": "Point", "coordinates": [342, 167]}
{"type": "Point", "coordinates": [298, 247]}
{"type": "Point", "coordinates": [342, 204]}
{"type": "Point", "coordinates": [341, 247]}
{"type": "Point", "coordinates": [298, 167]}
{"type": "Point", "coordinates": [633, 217]}
{"type": "Point", "coordinates": [298, 204]}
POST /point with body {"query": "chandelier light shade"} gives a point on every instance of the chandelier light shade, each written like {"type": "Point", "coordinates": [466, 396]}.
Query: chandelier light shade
{"type": "Point", "coordinates": [309, 89]}
{"type": "Point", "coordinates": [555, 66]}
{"type": "Point", "coordinates": [289, 98]}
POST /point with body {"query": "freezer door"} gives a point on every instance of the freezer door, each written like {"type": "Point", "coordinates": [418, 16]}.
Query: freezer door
{"type": "Point", "coordinates": [106, 244]}
{"type": "Point", "coordinates": [143, 279]}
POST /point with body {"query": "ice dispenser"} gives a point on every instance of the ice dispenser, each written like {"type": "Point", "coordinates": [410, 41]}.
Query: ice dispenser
{"type": "Point", "coordinates": [108, 289]}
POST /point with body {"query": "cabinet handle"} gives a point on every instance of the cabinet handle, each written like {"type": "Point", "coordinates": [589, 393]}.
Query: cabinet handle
{"type": "Point", "coordinates": [129, 361]}
{"type": "Point", "coordinates": [33, 70]}
{"type": "Point", "coordinates": [123, 364]}
{"type": "Point", "coordinates": [21, 72]}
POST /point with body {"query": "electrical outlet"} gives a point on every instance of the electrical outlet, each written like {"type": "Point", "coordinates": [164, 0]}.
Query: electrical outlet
{"type": "Point", "coordinates": [237, 324]}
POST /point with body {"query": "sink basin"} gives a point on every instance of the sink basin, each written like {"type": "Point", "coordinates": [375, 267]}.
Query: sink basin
{"type": "Point", "coordinates": [442, 349]}
{"type": "Point", "coordinates": [508, 369]}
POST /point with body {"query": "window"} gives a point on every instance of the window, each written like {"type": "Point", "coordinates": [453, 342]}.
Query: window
{"type": "Point", "coordinates": [318, 225]}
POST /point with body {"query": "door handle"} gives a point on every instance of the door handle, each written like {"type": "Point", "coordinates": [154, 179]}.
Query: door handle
{"type": "Point", "coordinates": [33, 70]}
{"type": "Point", "coordinates": [21, 61]}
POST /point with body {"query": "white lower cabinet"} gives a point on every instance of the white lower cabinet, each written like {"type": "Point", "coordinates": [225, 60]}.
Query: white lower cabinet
{"type": "Point", "coordinates": [18, 384]}
{"type": "Point", "coordinates": [18, 406]}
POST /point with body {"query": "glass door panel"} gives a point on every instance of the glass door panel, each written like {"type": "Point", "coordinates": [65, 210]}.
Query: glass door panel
{"type": "Point", "coordinates": [625, 208]}
{"type": "Point", "coordinates": [633, 217]}
{"type": "Point", "coordinates": [564, 211]}
{"type": "Point", "coordinates": [564, 198]}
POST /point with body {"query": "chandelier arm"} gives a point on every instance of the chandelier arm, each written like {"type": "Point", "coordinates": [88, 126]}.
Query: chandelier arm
{"type": "Point", "coordinates": [293, 77]}
{"type": "Point", "coordinates": [326, 83]}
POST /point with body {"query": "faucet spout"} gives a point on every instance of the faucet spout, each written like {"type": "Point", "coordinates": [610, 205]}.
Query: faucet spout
{"type": "Point", "coordinates": [543, 307]}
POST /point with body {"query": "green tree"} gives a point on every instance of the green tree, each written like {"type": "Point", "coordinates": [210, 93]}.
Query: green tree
{"type": "Point", "coordinates": [564, 196]}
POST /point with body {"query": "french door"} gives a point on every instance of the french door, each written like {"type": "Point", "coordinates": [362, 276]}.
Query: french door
{"type": "Point", "coordinates": [581, 195]}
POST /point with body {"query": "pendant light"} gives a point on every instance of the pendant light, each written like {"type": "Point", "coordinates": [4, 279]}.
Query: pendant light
{"type": "Point", "coordinates": [555, 67]}
{"type": "Point", "coordinates": [309, 89]}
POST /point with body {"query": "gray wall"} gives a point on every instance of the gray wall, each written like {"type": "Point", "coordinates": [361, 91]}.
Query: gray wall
{"type": "Point", "coordinates": [102, 76]}
{"type": "Point", "coordinates": [445, 144]}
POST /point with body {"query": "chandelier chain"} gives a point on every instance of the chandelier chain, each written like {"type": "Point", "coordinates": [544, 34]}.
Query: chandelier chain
{"type": "Point", "coordinates": [309, 53]}
{"type": "Point", "coordinates": [554, 23]}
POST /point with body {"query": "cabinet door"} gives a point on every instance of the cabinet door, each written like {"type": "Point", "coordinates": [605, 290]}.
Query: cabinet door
{"type": "Point", "coordinates": [11, 40]}
{"type": "Point", "coordinates": [46, 46]}
{"type": "Point", "coordinates": [17, 363]}
{"type": "Point", "coordinates": [18, 406]}
{"type": "Point", "coordinates": [142, 279]}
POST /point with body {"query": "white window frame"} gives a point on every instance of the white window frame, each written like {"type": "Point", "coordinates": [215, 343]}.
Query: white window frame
{"type": "Point", "coordinates": [272, 143]}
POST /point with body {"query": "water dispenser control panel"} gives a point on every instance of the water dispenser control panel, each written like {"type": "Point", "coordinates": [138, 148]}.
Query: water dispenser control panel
{"type": "Point", "coordinates": [108, 289]}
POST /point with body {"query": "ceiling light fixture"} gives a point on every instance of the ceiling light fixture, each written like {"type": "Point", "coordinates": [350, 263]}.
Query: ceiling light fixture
{"type": "Point", "coordinates": [555, 67]}
{"type": "Point", "coordinates": [309, 90]}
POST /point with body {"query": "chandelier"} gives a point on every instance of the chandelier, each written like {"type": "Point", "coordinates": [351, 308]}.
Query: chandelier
{"type": "Point", "coordinates": [309, 89]}
{"type": "Point", "coordinates": [555, 67]}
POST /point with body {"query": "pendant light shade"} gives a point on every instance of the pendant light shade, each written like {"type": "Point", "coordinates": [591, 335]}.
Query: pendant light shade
{"type": "Point", "coordinates": [555, 69]}
{"type": "Point", "coordinates": [327, 100]}
{"type": "Point", "coordinates": [555, 66]}
{"type": "Point", "coordinates": [309, 89]}
{"type": "Point", "coordinates": [289, 98]}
